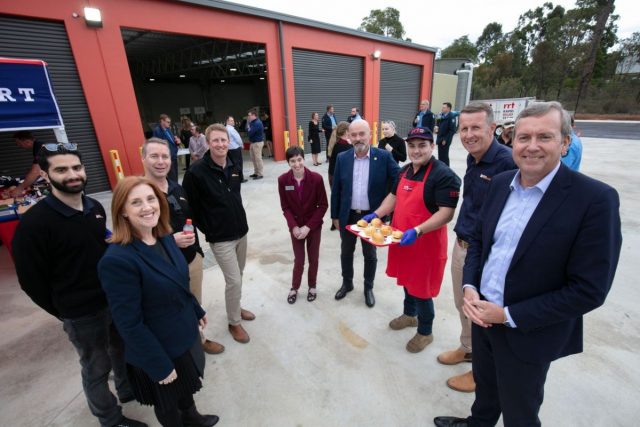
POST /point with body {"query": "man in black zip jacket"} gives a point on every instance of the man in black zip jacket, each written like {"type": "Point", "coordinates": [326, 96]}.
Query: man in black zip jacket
{"type": "Point", "coordinates": [56, 250]}
{"type": "Point", "coordinates": [213, 189]}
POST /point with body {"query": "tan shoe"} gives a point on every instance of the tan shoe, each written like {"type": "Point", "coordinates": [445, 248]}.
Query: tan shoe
{"type": "Point", "coordinates": [246, 314]}
{"type": "Point", "coordinates": [403, 321]}
{"type": "Point", "coordinates": [463, 383]}
{"type": "Point", "coordinates": [212, 347]}
{"type": "Point", "coordinates": [454, 357]}
{"type": "Point", "coordinates": [239, 334]}
{"type": "Point", "coordinates": [419, 342]}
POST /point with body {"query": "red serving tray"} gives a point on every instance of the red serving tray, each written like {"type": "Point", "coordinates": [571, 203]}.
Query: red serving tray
{"type": "Point", "coordinates": [355, 229]}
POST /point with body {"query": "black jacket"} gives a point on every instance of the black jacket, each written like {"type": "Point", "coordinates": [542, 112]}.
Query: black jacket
{"type": "Point", "coordinates": [214, 196]}
{"type": "Point", "coordinates": [399, 152]}
{"type": "Point", "coordinates": [56, 250]}
{"type": "Point", "coordinates": [428, 120]}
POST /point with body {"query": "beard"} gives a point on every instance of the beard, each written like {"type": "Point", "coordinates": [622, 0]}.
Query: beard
{"type": "Point", "coordinates": [66, 188]}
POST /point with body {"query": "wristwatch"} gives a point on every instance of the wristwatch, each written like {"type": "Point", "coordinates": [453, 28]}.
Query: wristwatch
{"type": "Point", "coordinates": [506, 321]}
{"type": "Point", "coordinates": [418, 231]}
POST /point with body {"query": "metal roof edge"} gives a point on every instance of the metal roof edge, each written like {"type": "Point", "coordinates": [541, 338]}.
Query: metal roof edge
{"type": "Point", "coordinates": [264, 13]}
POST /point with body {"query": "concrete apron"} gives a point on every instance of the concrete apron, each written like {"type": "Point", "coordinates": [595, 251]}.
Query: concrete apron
{"type": "Point", "coordinates": [336, 363]}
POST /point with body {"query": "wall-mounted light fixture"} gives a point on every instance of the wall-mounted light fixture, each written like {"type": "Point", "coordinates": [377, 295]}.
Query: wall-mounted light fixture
{"type": "Point", "coordinates": [376, 54]}
{"type": "Point", "coordinates": [233, 69]}
{"type": "Point", "coordinates": [93, 17]}
{"type": "Point", "coordinates": [152, 79]}
{"type": "Point", "coordinates": [182, 76]}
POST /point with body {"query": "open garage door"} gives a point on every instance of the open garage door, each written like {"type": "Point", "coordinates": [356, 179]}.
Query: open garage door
{"type": "Point", "coordinates": [47, 41]}
{"type": "Point", "coordinates": [399, 94]}
{"type": "Point", "coordinates": [321, 79]}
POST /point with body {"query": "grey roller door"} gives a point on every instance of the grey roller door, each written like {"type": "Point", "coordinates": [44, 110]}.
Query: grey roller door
{"type": "Point", "coordinates": [45, 40]}
{"type": "Point", "coordinates": [399, 94]}
{"type": "Point", "coordinates": [321, 79]}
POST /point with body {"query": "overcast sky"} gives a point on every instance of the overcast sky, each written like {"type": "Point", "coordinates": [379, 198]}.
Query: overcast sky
{"type": "Point", "coordinates": [431, 25]}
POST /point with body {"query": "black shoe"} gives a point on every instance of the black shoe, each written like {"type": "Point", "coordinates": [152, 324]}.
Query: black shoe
{"type": "Point", "coordinates": [333, 227]}
{"type": "Point", "coordinates": [253, 175]}
{"type": "Point", "coordinates": [450, 422]}
{"type": "Point", "coordinates": [258, 177]}
{"type": "Point", "coordinates": [369, 299]}
{"type": "Point", "coordinates": [192, 418]}
{"type": "Point", "coordinates": [343, 291]}
{"type": "Point", "coordinates": [244, 180]}
{"type": "Point", "coordinates": [128, 422]}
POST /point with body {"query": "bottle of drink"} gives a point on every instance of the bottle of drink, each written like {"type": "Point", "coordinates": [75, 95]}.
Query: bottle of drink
{"type": "Point", "coordinates": [188, 227]}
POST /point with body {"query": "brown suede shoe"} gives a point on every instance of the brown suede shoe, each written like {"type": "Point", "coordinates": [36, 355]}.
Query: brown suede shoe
{"type": "Point", "coordinates": [402, 322]}
{"type": "Point", "coordinates": [246, 314]}
{"type": "Point", "coordinates": [419, 342]}
{"type": "Point", "coordinates": [463, 383]}
{"type": "Point", "coordinates": [212, 347]}
{"type": "Point", "coordinates": [239, 334]}
{"type": "Point", "coordinates": [454, 357]}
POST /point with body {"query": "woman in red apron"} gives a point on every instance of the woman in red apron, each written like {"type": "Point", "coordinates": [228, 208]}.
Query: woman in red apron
{"type": "Point", "coordinates": [423, 200]}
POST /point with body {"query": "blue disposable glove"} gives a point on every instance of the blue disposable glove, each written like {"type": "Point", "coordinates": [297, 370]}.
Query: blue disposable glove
{"type": "Point", "coordinates": [370, 216]}
{"type": "Point", "coordinates": [409, 237]}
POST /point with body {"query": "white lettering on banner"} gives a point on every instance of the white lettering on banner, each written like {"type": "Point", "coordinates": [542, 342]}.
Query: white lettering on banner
{"type": "Point", "coordinates": [26, 92]}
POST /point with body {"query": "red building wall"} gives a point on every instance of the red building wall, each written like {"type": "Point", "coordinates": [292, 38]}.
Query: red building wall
{"type": "Point", "coordinates": [104, 72]}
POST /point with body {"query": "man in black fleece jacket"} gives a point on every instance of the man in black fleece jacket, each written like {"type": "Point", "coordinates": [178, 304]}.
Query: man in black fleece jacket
{"type": "Point", "coordinates": [56, 249]}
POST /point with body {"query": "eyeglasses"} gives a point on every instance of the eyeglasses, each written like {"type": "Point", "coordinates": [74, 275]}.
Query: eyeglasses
{"type": "Point", "coordinates": [54, 148]}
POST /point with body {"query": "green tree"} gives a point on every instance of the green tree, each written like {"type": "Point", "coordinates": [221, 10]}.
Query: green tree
{"type": "Point", "coordinates": [384, 22]}
{"type": "Point", "coordinates": [490, 43]}
{"type": "Point", "coordinates": [461, 48]}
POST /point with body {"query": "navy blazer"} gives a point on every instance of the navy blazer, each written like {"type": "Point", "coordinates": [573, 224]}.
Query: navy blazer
{"type": "Point", "coordinates": [563, 266]}
{"type": "Point", "coordinates": [383, 171]}
{"type": "Point", "coordinates": [311, 209]}
{"type": "Point", "coordinates": [151, 305]}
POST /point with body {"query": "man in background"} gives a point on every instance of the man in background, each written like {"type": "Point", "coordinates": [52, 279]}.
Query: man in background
{"type": "Point", "coordinates": [163, 131]}
{"type": "Point", "coordinates": [425, 117]}
{"type": "Point", "coordinates": [446, 130]}
{"type": "Point", "coordinates": [25, 139]}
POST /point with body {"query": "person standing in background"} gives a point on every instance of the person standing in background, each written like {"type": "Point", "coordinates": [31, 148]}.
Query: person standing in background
{"type": "Point", "coordinates": [314, 138]}
{"type": "Point", "coordinates": [236, 146]}
{"type": "Point", "coordinates": [392, 142]}
{"type": "Point", "coordinates": [255, 131]}
{"type": "Point", "coordinates": [25, 139]}
{"type": "Point", "coordinates": [446, 130]}
{"type": "Point", "coordinates": [197, 143]}
{"type": "Point", "coordinates": [425, 117]}
{"type": "Point", "coordinates": [572, 155]}
{"type": "Point", "coordinates": [329, 123]}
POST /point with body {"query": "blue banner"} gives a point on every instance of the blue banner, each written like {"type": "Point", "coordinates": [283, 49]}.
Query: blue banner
{"type": "Point", "coordinates": [26, 96]}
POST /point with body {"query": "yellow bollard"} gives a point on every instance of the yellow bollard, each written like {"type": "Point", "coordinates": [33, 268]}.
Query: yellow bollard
{"type": "Point", "coordinates": [375, 134]}
{"type": "Point", "coordinates": [117, 166]}
{"type": "Point", "coordinates": [300, 137]}
{"type": "Point", "coordinates": [286, 140]}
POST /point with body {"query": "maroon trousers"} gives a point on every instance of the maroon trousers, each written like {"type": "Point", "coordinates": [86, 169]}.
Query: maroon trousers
{"type": "Point", "coordinates": [313, 250]}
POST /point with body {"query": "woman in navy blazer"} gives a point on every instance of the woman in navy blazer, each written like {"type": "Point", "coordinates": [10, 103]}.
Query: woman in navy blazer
{"type": "Point", "coordinates": [146, 280]}
{"type": "Point", "coordinates": [304, 202]}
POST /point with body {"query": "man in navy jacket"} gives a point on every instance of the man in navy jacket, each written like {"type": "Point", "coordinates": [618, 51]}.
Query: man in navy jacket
{"type": "Point", "coordinates": [446, 130]}
{"type": "Point", "coordinates": [361, 181]}
{"type": "Point", "coordinates": [544, 253]}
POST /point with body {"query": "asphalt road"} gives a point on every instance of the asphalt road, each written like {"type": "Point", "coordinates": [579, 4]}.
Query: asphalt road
{"type": "Point", "coordinates": [610, 130]}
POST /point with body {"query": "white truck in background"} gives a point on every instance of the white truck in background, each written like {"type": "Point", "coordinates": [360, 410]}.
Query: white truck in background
{"type": "Point", "coordinates": [507, 109]}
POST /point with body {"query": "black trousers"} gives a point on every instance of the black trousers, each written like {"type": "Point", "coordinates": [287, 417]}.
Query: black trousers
{"type": "Point", "coordinates": [443, 149]}
{"type": "Point", "coordinates": [347, 249]}
{"type": "Point", "coordinates": [504, 383]}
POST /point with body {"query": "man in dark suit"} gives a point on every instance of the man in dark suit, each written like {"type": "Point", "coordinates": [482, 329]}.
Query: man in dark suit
{"type": "Point", "coordinates": [424, 117]}
{"type": "Point", "coordinates": [446, 130]}
{"type": "Point", "coordinates": [544, 253]}
{"type": "Point", "coordinates": [361, 181]}
{"type": "Point", "coordinates": [163, 131]}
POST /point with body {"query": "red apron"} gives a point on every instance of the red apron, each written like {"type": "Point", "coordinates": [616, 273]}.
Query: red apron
{"type": "Point", "coordinates": [418, 267]}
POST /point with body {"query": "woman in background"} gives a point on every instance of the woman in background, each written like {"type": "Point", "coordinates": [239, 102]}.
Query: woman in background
{"type": "Point", "coordinates": [337, 144]}
{"type": "Point", "coordinates": [392, 142]}
{"type": "Point", "coordinates": [304, 202]}
{"type": "Point", "coordinates": [314, 138]}
{"type": "Point", "coordinates": [146, 280]}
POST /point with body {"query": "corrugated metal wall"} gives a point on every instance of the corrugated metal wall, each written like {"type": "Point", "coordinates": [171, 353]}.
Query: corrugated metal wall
{"type": "Point", "coordinates": [321, 79]}
{"type": "Point", "coordinates": [45, 40]}
{"type": "Point", "coordinates": [399, 95]}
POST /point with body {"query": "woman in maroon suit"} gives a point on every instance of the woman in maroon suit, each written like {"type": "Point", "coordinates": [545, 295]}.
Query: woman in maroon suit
{"type": "Point", "coordinates": [304, 203]}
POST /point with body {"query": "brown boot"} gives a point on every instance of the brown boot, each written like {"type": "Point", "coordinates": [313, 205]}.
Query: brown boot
{"type": "Point", "coordinates": [212, 347]}
{"type": "Point", "coordinates": [419, 342]}
{"type": "Point", "coordinates": [246, 314]}
{"type": "Point", "coordinates": [454, 357]}
{"type": "Point", "coordinates": [463, 383]}
{"type": "Point", "coordinates": [239, 334]}
{"type": "Point", "coordinates": [403, 321]}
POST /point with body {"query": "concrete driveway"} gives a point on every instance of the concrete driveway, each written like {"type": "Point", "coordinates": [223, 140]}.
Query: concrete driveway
{"type": "Point", "coordinates": [337, 363]}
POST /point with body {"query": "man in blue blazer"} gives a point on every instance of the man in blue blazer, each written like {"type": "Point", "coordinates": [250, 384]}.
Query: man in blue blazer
{"type": "Point", "coordinates": [446, 130]}
{"type": "Point", "coordinates": [544, 253]}
{"type": "Point", "coordinates": [361, 181]}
